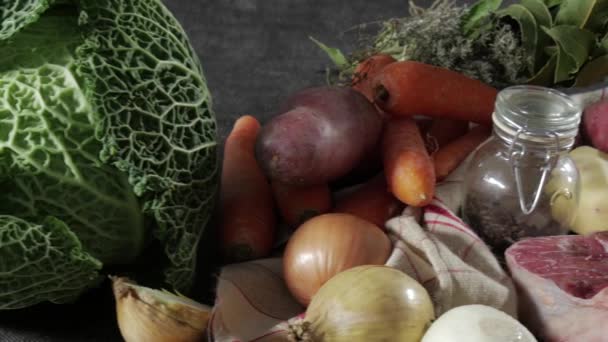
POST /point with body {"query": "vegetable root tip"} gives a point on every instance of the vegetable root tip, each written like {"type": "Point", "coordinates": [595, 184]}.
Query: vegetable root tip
{"type": "Point", "coordinates": [381, 94]}
{"type": "Point", "coordinates": [299, 331]}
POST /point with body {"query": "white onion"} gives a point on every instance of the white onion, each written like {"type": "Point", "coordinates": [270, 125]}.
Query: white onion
{"type": "Point", "coordinates": [477, 323]}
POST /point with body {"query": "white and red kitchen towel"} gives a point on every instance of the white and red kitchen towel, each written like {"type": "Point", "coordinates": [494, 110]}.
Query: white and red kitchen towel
{"type": "Point", "coordinates": [433, 245]}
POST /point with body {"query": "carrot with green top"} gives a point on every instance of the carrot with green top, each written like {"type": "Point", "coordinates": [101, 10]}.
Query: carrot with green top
{"type": "Point", "coordinates": [367, 70]}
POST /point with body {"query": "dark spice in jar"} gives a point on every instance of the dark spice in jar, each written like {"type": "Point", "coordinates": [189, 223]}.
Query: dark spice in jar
{"type": "Point", "coordinates": [496, 224]}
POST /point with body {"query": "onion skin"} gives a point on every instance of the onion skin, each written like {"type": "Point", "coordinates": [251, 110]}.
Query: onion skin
{"type": "Point", "coordinates": [479, 323]}
{"type": "Point", "coordinates": [370, 303]}
{"type": "Point", "coordinates": [326, 245]}
{"type": "Point", "coordinates": [150, 315]}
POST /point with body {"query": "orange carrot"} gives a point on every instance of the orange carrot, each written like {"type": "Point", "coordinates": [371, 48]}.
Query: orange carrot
{"type": "Point", "coordinates": [247, 217]}
{"type": "Point", "coordinates": [298, 204]}
{"type": "Point", "coordinates": [412, 88]}
{"type": "Point", "coordinates": [371, 201]}
{"type": "Point", "coordinates": [408, 168]}
{"type": "Point", "coordinates": [367, 70]}
{"type": "Point", "coordinates": [451, 155]}
{"type": "Point", "coordinates": [443, 131]}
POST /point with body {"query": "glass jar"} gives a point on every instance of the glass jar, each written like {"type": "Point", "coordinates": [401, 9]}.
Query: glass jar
{"type": "Point", "coordinates": [521, 181]}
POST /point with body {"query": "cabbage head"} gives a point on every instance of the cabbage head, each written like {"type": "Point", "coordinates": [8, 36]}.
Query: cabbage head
{"type": "Point", "coordinates": [107, 143]}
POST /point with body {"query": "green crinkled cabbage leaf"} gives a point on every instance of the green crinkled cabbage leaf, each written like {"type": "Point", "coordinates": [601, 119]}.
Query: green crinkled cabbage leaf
{"type": "Point", "coordinates": [17, 14]}
{"type": "Point", "coordinates": [42, 262]}
{"type": "Point", "coordinates": [49, 164]}
{"type": "Point", "coordinates": [158, 125]}
{"type": "Point", "coordinates": [105, 118]}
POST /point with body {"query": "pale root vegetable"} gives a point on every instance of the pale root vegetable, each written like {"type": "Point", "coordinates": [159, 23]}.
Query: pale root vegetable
{"type": "Point", "coordinates": [591, 215]}
{"type": "Point", "coordinates": [321, 135]}
{"type": "Point", "coordinates": [327, 245]}
{"type": "Point", "coordinates": [478, 323]}
{"type": "Point", "coordinates": [367, 303]}
{"type": "Point", "coordinates": [595, 125]}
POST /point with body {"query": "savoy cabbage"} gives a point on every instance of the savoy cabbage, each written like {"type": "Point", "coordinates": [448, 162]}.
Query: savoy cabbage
{"type": "Point", "coordinates": [107, 136]}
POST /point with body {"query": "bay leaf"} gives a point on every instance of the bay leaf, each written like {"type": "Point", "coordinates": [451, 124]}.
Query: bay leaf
{"type": "Point", "coordinates": [566, 66]}
{"type": "Point", "coordinates": [552, 3]}
{"type": "Point", "coordinates": [541, 14]}
{"type": "Point", "coordinates": [546, 74]}
{"type": "Point", "coordinates": [477, 14]}
{"type": "Point", "coordinates": [602, 48]}
{"type": "Point", "coordinates": [588, 14]}
{"type": "Point", "coordinates": [575, 46]}
{"type": "Point", "coordinates": [576, 42]}
{"type": "Point", "coordinates": [540, 11]}
{"type": "Point", "coordinates": [551, 50]}
{"type": "Point", "coordinates": [595, 71]}
{"type": "Point", "coordinates": [528, 30]}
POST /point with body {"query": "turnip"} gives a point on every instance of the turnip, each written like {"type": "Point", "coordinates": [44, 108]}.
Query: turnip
{"type": "Point", "coordinates": [590, 211]}
{"type": "Point", "coordinates": [477, 323]}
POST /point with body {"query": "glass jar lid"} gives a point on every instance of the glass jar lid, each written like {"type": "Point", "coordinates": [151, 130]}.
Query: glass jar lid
{"type": "Point", "coordinates": [537, 115]}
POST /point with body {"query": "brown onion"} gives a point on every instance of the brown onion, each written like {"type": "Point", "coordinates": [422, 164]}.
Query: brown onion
{"type": "Point", "coordinates": [326, 245]}
{"type": "Point", "coordinates": [367, 303]}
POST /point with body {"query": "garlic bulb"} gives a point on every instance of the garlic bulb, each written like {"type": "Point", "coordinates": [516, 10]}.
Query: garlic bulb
{"type": "Point", "coordinates": [367, 303]}
{"type": "Point", "coordinates": [150, 315]}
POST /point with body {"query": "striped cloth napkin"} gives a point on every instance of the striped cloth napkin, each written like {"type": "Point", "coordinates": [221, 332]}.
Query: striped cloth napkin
{"type": "Point", "coordinates": [432, 245]}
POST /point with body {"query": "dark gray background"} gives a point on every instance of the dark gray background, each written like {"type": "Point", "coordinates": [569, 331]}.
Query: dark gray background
{"type": "Point", "coordinates": [254, 53]}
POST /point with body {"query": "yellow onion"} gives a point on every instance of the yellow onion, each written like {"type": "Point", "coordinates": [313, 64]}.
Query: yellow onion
{"type": "Point", "coordinates": [150, 315]}
{"type": "Point", "coordinates": [367, 303]}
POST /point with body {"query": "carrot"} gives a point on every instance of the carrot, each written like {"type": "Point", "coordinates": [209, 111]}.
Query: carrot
{"type": "Point", "coordinates": [451, 155]}
{"type": "Point", "coordinates": [247, 218]}
{"type": "Point", "coordinates": [298, 204]}
{"type": "Point", "coordinates": [371, 201]}
{"type": "Point", "coordinates": [412, 88]}
{"type": "Point", "coordinates": [443, 131]}
{"type": "Point", "coordinates": [408, 168]}
{"type": "Point", "coordinates": [367, 70]}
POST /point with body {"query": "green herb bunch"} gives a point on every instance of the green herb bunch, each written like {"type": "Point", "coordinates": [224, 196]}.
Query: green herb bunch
{"type": "Point", "coordinates": [566, 41]}
{"type": "Point", "coordinates": [543, 42]}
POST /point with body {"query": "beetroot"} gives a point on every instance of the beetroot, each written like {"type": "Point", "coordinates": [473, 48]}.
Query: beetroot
{"type": "Point", "coordinates": [323, 133]}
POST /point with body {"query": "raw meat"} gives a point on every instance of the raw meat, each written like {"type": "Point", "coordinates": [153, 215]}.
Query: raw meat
{"type": "Point", "coordinates": [563, 286]}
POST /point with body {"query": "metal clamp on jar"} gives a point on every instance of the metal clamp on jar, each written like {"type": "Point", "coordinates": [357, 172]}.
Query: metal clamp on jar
{"type": "Point", "coordinates": [515, 177]}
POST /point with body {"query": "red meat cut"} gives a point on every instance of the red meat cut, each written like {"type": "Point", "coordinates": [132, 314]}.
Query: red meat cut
{"type": "Point", "coordinates": [562, 283]}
